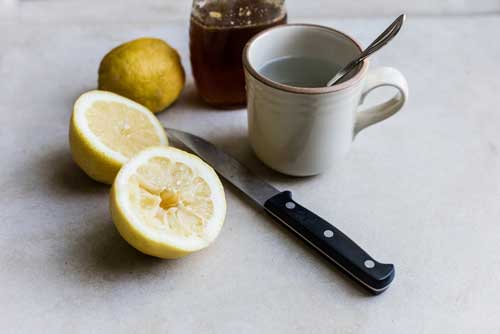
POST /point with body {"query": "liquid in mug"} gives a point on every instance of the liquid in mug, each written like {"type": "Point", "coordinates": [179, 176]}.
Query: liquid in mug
{"type": "Point", "coordinates": [300, 71]}
{"type": "Point", "coordinates": [218, 33]}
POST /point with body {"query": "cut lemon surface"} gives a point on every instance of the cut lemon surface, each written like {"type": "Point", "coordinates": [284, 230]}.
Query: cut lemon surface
{"type": "Point", "coordinates": [106, 130]}
{"type": "Point", "coordinates": [167, 203]}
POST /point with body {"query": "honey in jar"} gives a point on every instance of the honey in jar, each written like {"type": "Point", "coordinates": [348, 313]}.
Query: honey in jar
{"type": "Point", "coordinates": [219, 31]}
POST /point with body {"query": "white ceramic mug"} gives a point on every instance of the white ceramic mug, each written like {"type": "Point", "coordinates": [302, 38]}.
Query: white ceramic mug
{"type": "Point", "coordinates": [303, 131]}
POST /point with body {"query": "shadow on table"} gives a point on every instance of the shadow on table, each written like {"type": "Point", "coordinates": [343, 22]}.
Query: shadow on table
{"type": "Point", "coordinates": [65, 177]}
{"type": "Point", "coordinates": [92, 245]}
{"type": "Point", "coordinates": [190, 99]}
{"type": "Point", "coordinates": [101, 253]}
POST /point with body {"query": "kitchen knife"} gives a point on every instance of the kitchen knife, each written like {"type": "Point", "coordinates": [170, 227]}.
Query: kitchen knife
{"type": "Point", "coordinates": [320, 234]}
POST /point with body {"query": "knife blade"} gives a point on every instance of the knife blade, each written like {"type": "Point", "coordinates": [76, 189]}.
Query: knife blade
{"type": "Point", "coordinates": [323, 236]}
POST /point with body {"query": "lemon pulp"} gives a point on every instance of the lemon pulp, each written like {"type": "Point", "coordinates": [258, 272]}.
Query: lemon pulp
{"type": "Point", "coordinates": [121, 128]}
{"type": "Point", "coordinates": [168, 197]}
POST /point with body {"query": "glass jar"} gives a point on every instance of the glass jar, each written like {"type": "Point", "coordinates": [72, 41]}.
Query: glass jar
{"type": "Point", "coordinates": [219, 30]}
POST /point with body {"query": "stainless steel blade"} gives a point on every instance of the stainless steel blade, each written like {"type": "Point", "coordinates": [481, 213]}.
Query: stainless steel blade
{"type": "Point", "coordinates": [233, 171]}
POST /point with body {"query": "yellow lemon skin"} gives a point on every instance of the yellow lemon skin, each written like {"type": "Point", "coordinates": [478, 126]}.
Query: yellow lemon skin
{"type": "Point", "coordinates": [93, 162]}
{"type": "Point", "coordinates": [138, 240]}
{"type": "Point", "coordinates": [146, 70]}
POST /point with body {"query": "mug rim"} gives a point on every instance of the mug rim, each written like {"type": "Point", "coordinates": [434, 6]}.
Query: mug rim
{"type": "Point", "coordinates": [303, 90]}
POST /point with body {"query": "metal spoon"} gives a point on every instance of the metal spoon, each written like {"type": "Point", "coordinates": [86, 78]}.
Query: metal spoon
{"type": "Point", "coordinates": [384, 38]}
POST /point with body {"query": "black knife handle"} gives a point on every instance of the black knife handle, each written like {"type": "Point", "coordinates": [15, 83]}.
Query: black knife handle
{"type": "Point", "coordinates": [331, 242]}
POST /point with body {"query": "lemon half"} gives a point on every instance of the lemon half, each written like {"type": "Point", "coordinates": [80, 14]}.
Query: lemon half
{"type": "Point", "coordinates": [167, 203]}
{"type": "Point", "coordinates": [106, 130]}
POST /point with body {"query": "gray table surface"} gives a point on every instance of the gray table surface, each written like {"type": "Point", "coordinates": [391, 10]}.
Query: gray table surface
{"type": "Point", "coordinates": [421, 190]}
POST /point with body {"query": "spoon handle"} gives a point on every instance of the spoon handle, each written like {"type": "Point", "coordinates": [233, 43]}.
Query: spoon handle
{"type": "Point", "coordinates": [385, 37]}
{"type": "Point", "coordinates": [388, 34]}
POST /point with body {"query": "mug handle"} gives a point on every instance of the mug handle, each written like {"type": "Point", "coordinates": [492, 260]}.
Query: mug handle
{"type": "Point", "coordinates": [380, 77]}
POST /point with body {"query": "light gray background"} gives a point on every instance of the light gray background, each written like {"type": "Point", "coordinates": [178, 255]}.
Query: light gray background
{"type": "Point", "coordinates": [164, 10]}
{"type": "Point", "coordinates": [421, 190]}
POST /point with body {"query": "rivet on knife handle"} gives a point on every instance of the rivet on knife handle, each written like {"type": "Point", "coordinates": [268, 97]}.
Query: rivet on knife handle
{"type": "Point", "coordinates": [331, 242]}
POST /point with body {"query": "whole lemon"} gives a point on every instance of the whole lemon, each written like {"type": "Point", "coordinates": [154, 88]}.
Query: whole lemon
{"type": "Point", "coordinates": [146, 70]}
